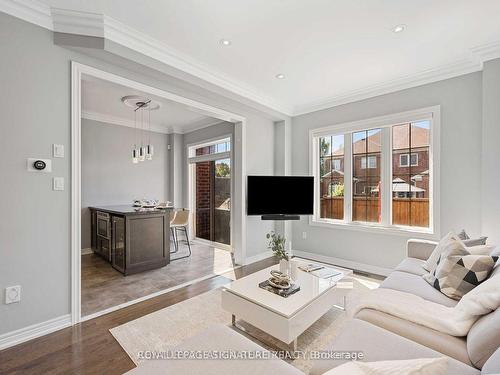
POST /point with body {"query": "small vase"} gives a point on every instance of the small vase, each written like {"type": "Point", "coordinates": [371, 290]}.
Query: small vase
{"type": "Point", "coordinates": [285, 267]}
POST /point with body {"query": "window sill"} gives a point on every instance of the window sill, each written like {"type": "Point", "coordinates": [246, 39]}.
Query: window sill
{"type": "Point", "coordinates": [375, 228]}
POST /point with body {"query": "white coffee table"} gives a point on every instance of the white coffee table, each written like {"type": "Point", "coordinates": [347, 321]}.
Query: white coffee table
{"type": "Point", "coordinates": [286, 318]}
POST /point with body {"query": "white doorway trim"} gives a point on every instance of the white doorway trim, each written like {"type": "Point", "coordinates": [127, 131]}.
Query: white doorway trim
{"type": "Point", "coordinates": [77, 71]}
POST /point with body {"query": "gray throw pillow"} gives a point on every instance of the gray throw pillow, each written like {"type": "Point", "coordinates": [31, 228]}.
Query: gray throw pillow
{"type": "Point", "coordinates": [475, 241]}
{"type": "Point", "coordinates": [458, 272]}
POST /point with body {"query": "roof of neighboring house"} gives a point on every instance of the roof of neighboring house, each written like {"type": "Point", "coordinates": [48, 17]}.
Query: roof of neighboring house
{"type": "Point", "coordinates": [419, 138]}
{"type": "Point", "coordinates": [400, 139]}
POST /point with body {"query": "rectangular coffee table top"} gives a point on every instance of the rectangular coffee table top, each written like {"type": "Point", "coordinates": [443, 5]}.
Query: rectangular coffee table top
{"type": "Point", "coordinates": [311, 287]}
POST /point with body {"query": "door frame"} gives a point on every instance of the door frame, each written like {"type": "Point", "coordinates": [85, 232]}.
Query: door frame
{"type": "Point", "coordinates": [79, 70]}
{"type": "Point", "coordinates": [192, 183]}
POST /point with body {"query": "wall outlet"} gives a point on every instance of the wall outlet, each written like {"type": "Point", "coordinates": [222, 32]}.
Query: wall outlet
{"type": "Point", "coordinates": [12, 294]}
{"type": "Point", "coordinates": [304, 235]}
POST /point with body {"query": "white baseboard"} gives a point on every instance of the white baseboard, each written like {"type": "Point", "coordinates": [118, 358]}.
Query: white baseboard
{"type": "Point", "coordinates": [343, 263]}
{"type": "Point", "coordinates": [36, 330]}
{"type": "Point", "coordinates": [86, 251]}
{"type": "Point", "coordinates": [255, 258]}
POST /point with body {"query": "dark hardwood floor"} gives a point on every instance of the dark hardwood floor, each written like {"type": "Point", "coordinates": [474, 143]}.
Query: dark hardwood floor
{"type": "Point", "coordinates": [88, 347]}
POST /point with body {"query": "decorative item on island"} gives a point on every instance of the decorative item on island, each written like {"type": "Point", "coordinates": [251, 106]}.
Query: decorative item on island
{"type": "Point", "coordinates": [277, 246]}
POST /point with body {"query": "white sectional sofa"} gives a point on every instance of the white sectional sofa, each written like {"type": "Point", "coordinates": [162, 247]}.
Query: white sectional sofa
{"type": "Point", "coordinates": [378, 335]}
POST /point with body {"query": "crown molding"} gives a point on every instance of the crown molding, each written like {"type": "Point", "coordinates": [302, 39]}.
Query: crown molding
{"type": "Point", "coordinates": [488, 51]}
{"type": "Point", "coordinates": [455, 69]}
{"type": "Point", "coordinates": [157, 128]}
{"type": "Point", "coordinates": [31, 11]}
{"type": "Point", "coordinates": [115, 120]}
{"type": "Point", "coordinates": [100, 25]}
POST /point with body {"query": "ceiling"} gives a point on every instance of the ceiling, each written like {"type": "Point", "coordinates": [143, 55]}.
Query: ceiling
{"type": "Point", "coordinates": [330, 51]}
{"type": "Point", "coordinates": [101, 101]}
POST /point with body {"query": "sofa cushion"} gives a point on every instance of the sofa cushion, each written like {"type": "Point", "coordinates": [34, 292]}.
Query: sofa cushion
{"type": "Point", "coordinates": [484, 338]}
{"type": "Point", "coordinates": [458, 272]}
{"type": "Point", "coordinates": [414, 284]}
{"type": "Point", "coordinates": [412, 265]}
{"type": "Point", "coordinates": [446, 244]}
{"type": "Point", "coordinates": [452, 346]}
{"type": "Point", "coordinates": [378, 344]}
{"type": "Point", "coordinates": [492, 365]}
{"type": "Point", "coordinates": [217, 338]}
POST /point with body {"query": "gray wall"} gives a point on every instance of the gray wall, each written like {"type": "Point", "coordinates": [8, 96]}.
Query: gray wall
{"type": "Point", "coordinates": [108, 174]}
{"type": "Point", "coordinates": [491, 151]}
{"type": "Point", "coordinates": [35, 233]}
{"type": "Point", "coordinates": [461, 143]}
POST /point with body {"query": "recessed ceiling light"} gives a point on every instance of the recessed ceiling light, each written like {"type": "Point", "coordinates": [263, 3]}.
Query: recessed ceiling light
{"type": "Point", "coordinates": [399, 28]}
{"type": "Point", "coordinates": [225, 42]}
{"type": "Point", "coordinates": [280, 76]}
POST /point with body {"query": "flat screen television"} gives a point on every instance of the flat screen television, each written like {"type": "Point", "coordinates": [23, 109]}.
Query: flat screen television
{"type": "Point", "coordinates": [280, 195]}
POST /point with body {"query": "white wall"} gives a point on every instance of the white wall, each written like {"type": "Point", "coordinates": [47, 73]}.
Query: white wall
{"type": "Point", "coordinates": [461, 143]}
{"type": "Point", "coordinates": [108, 174]}
{"type": "Point", "coordinates": [35, 231]}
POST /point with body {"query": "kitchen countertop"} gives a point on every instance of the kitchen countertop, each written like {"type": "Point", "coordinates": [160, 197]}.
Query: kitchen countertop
{"type": "Point", "coordinates": [129, 210]}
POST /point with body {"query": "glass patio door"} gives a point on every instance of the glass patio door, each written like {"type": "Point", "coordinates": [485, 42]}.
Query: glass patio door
{"type": "Point", "coordinates": [212, 191]}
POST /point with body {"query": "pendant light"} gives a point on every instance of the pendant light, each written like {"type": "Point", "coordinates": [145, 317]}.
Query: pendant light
{"type": "Point", "coordinates": [135, 152]}
{"type": "Point", "coordinates": [142, 149]}
{"type": "Point", "coordinates": [149, 147]}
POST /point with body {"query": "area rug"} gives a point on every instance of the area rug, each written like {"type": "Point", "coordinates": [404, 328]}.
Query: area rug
{"type": "Point", "coordinates": [167, 328]}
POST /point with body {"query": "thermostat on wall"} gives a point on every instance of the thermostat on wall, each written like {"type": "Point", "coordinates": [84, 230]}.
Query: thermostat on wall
{"type": "Point", "coordinates": [39, 165]}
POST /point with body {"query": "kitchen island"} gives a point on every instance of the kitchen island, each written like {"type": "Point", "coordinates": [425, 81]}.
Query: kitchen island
{"type": "Point", "coordinates": [132, 239]}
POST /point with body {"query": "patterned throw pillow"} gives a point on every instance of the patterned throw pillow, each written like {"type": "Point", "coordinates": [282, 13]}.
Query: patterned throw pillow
{"type": "Point", "coordinates": [458, 271]}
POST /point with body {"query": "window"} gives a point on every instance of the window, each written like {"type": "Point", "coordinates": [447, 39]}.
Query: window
{"type": "Point", "coordinates": [331, 158]}
{"type": "Point", "coordinates": [214, 148]}
{"type": "Point", "coordinates": [405, 159]}
{"type": "Point", "coordinates": [378, 176]}
{"type": "Point", "coordinates": [366, 147]}
{"type": "Point", "coordinates": [372, 162]}
{"type": "Point", "coordinates": [410, 180]}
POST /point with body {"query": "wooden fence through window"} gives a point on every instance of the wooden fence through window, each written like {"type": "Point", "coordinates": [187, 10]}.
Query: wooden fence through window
{"type": "Point", "coordinates": [405, 211]}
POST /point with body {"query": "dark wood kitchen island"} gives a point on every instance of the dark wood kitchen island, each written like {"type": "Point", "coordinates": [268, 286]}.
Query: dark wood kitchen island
{"type": "Point", "coordinates": [132, 239]}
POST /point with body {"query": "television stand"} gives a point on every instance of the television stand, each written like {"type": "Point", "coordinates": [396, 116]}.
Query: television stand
{"type": "Point", "coordinates": [280, 217]}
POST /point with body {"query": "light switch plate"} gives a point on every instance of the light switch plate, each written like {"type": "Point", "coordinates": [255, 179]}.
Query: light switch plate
{"type": "Point", "coordinates": [58, 151]}
{"type": "Point", "coordinates": [12, 294]}
{"type": "Point", "coordinates": [47, 169]}
{"type": "Point", "coordinates": [58, 183]}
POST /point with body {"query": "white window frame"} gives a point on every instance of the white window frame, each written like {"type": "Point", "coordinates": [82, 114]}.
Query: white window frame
{"type": "Point", "coordinates": [367, 164]}
{"type": "Point", "coordinates": [433, 114]}
{"type": "Point", "coordinates": [409, 159]}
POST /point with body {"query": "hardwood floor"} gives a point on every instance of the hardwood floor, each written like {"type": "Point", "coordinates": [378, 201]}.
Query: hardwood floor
{"type": "Point", "coordinates": [104, 287]}
{"type": "Point", "coordinates": [89, 348]}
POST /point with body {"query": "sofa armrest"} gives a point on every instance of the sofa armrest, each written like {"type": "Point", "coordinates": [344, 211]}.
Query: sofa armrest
{"type": "Point", "coordinates": [420, 249]}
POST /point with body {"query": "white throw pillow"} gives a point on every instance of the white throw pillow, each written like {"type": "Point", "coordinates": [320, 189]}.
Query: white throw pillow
{"type": "Point", "coordinates": [450, 240]}
{"type": "Point", "coordinates": [481, 249]}
{"type": "Point", "coordinates": [481, 300]}
{"type": "Point", "coordinates": [420, 366]}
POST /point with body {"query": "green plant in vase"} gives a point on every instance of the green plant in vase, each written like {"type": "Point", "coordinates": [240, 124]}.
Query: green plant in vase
{"type": "Point", "coordinates": [277, 246]}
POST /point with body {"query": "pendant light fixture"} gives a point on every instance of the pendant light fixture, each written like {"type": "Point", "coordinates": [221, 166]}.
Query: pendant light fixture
{"type": "Point", "coordinates": [149, 147]}
{"type": "Point", "coordinates": [142, 150]}
{"type": "Point", "coordinates": [135, 151]}
{"type": "Point", "coordinates": [140, 104]}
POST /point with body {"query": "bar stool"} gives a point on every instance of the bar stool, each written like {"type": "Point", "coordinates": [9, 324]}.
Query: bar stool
{"type": "Point", "coordinates": [180, 222]}
{"type": "Point", "coordinates": [172, 218]}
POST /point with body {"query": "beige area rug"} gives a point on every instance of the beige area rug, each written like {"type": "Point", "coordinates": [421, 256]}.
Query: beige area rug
{"type": "Point", "coordinates": [167, 328]}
